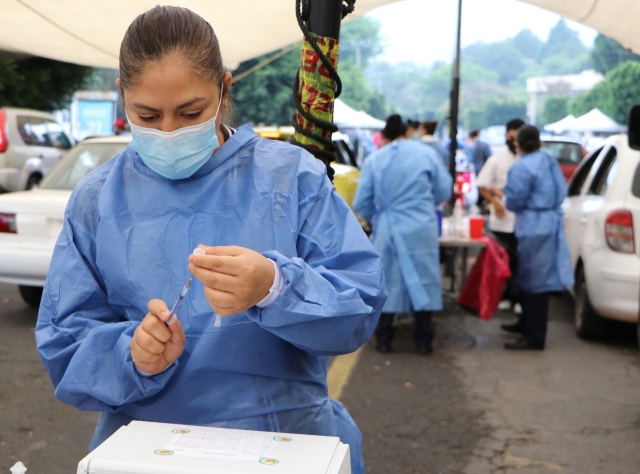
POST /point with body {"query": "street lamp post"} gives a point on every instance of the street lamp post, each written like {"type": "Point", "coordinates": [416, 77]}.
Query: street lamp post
{"type": "Point", "coordinates": [455, 100]}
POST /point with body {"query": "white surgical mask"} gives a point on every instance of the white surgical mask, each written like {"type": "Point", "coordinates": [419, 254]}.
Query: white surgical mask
{"type": "Point", "coordinates": [178, 154]}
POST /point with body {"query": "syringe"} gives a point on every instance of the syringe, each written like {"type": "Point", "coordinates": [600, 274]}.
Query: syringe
{"type": "Point", "coordinates": [176, 305]}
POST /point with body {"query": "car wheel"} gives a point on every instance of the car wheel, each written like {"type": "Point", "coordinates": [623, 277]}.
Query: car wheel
{"type": "Point", "coordinates": [31, 295]}
{"type": "Point", "coordinates": [33, 181]}
{"type": "Point", "coordinates": [589, 325]}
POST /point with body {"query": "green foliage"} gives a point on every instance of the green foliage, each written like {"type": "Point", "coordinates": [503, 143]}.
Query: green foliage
{"type": "Point", "coordinates": [599, 97]}
{"type": "Point", "coordinates": [563, 40]}
{"type": "Point", "coordinates": [614, 96]}
{"type": "Point", "coordinates": [607, 54]}
{"type": "Point", "coordinates": [264, 96]}
{"type": "Point", "coordinates": [528, 44]}
{"type": "Point", "coordinates": [360, 41]}
{"type": "Point", "coordinates": [357, 93]}
{"type": "Point", "coordinates": [495, 112]}
{"type": "Point", "coordinates": [555, 109]}
{"type": "Point", "coordinates": [625, 89]}
{"type": "Point", "coordinates": [40, 83]}
{"type": "Point", "coordinates": [503, 58]}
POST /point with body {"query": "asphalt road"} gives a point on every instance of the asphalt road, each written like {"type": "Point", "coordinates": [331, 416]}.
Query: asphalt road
{"type": "Point", "coordinates": [471, 408]}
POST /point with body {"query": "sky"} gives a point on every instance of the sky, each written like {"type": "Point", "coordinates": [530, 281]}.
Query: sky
{"type": "Point", "coordinates": [423, 31]}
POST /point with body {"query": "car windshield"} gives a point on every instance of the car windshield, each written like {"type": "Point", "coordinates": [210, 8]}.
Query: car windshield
{"type": "Point", "coordinates": [566, 153]}
{"type": "Point", "coordinates": [79, 162]}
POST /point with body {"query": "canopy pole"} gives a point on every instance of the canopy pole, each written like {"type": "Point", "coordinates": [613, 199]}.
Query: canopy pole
{"type": "Point", "coordinates": [317, 84]}
{"type": "Point", "coordinates": [455, 101]}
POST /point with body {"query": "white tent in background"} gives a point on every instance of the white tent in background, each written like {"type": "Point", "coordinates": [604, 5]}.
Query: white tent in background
{"type": "Point", "coordinates": [346, 117]}
{"type": "Point", "coordinates": [89, 32]}
{"type": "Point", "coordinates": [561, 126]}
{"type": "Point", "coordinates": [596, 122]}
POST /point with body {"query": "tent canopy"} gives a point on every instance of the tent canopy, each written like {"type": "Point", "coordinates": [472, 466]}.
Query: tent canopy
{"type": "Point", "coordinates": [346, 117]}
{"type": "Point", "coordinates": [89, 32]}
{"type": "Point", "coordinates": [595, 122]}
{"type": "Point", "coordinates": [561, 125]}
{"type": "Point", "coordinates": [617, 19]}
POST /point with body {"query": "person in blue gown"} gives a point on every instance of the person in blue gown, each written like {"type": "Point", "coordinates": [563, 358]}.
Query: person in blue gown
{"type": "Point", "coordinates": [295, 277]}
{"type": "Point", "coordinates": [535, 190]}
{"type": "Point", "coordinates": [400, 186]}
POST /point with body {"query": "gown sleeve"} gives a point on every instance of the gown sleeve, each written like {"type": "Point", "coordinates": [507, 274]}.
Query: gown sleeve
{"type": "Point", "coordinates": [443, 183]}
{"type": "Point", "coordinates": [364, 203]}
{"type": "Point", "coordinates": [517, 190]}
{"type": "Point", "coordinates": [335, 289]}
{"type": "Point", "coordinates": [81, 338]}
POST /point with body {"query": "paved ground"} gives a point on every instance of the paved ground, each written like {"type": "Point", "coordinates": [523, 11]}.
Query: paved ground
{"type": "Point", "coordinates": [471, 408]}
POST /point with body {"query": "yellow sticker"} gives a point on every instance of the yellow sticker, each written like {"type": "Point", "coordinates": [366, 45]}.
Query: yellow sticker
{"type": "Point", "coordinates": [163, 452]}
{"type": "Point", "coordinates": [282, 439]}
{"type": "Point", "coordinates": [269, 461]}
{"type": "Point", "coordinates": [180, 431]}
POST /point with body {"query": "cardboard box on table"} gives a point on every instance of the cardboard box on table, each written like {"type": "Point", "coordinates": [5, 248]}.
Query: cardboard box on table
{"type": "Point", "coordinates": [160, 448]}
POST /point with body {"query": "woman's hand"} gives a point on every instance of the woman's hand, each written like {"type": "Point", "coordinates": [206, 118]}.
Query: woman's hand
{"type": "Point", "coordinates": [234, 278]}
{"type": "Point", "coordinates": [155, 345]}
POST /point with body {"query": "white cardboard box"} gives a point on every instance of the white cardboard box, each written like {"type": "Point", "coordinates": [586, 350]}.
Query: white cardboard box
{"type": "Point", "coordinates": [160, 448]}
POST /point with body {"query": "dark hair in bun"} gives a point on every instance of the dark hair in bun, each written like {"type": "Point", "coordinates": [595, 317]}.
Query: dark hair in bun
{"type": "Point", "coordinates": [529, 139]}
{"type": "Point", "coordinates": [394, 128]}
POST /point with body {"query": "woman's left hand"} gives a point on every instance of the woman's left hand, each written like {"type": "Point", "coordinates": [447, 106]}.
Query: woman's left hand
{"type": "Point", "coordinates": [234, 278]}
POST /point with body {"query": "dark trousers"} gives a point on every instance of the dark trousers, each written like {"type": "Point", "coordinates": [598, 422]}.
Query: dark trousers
{"type": "Point", "coordinates": [535, 313]}
{"type": "Point", "coordinates": [423, 334]}
{"type": "Point", "coordinates": [510, 244]}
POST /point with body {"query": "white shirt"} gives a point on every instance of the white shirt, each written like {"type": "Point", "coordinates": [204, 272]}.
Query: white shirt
{"type": "Point", "coordinates": [494, 174]}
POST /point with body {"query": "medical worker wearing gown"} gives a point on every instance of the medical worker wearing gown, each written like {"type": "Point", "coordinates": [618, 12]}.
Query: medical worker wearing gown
{"type": "Point", "coordinates": [535, 190]}
{"type": "Point", "coordinates": [295, 276]}
{"type": "Point", "coordinates": [400, 186]}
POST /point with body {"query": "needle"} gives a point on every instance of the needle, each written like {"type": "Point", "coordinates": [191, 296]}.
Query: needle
{"type": "Point", "coordinates": [176, 305]}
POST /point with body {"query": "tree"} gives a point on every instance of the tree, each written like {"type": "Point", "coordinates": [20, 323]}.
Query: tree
{"type": "Point", "coordinates": [528, 44]}
{"type": "Point", "coordinates": [625, 90]}
{"type": "Point", "coordinates": [563, 39]}
{"type": "Point", "coordinates": [40, 83]}
{"type": "Point", "coordinates": [503, 58]}
{"type": "Point", "coordinates": [360, 41]}
{"type": "Point", "coordinates": [555, 109]}
{"type": "Point", "coordinates": [598, 97]}
{"type": "Point", "coordinates": [264, 96]}
{"type": "Point", "coordinates": [607, 54]}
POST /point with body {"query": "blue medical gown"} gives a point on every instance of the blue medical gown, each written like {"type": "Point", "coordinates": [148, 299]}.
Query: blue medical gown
{"type": "Point", "coordinates": [126, 239]}
{"type": "Point", "coordinates": [400, 186]}
{"type": "Point", "coordinates": [535, 190]}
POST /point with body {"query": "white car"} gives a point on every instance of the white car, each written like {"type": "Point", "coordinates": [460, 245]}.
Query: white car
{"type": "Point", "coordinates": [31, 144]}
{"type": "Point", "coordinates": [30, 221]}
{"type": "Point", "coordinates": [602, 219]}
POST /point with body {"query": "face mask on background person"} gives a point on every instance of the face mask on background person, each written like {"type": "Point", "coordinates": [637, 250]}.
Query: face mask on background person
{"type": "Point", "coordinates": [511, 144]}
{"type": "Point", "coordinates": [177, 154]}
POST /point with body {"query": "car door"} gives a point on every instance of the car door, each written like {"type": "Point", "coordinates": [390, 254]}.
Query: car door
{"type": "Point", "coordinates": [37, 142]}
{"type": "Point", "coordinates": [590, 232]}
{"type": "Point", "coordinates": [573, 204]}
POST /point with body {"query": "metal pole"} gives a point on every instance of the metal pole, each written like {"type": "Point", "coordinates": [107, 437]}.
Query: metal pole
{"type": "Point", "coordinates": [316, 83]}
{"type": "Point", "coordinates": [455, 100]}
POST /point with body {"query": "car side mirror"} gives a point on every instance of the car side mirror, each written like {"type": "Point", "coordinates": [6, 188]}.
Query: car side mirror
{"type": "Point", "coordinates": [634, 128]}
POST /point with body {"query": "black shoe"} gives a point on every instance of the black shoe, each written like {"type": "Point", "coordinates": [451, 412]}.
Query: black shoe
{"type": "Point", "coordinates": [513, 327]}
{"type": "Point", "coordinates": [521, 344]}
{"type": "Point", "coordinates": [424, 350]}
{"type": "Point", "coordinates": [383, 348]}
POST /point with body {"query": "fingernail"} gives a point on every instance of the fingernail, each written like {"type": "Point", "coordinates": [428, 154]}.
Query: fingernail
{"type": "Point", "coordinates": [174, 319]}
{"type": "Point", "coordinates": [165, 314]}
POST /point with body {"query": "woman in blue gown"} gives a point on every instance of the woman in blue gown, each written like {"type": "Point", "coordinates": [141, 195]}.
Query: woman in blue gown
{"type": "Point", "coordinates": [399, 188]}
{"type": "Point", "coordinates": [295, 276]}
{"type": "Point", "coordinates": [535, 190]}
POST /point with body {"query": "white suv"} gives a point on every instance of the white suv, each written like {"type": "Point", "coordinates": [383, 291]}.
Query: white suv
{"type": "Point", "coordinates": [601, 208]}
{"type": "Point", "coordinates": [31, 144]}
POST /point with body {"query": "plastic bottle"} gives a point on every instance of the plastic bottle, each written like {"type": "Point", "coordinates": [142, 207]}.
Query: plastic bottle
{"type": "Point", "coordinates": [458, 215]}
{"type": "Point", "coordinates": [18, 468]}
